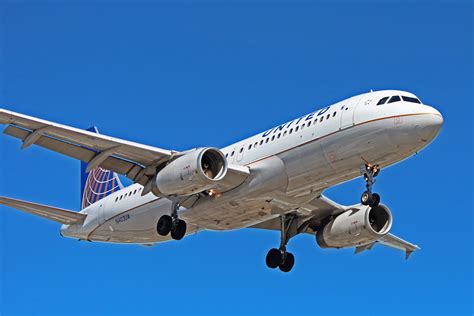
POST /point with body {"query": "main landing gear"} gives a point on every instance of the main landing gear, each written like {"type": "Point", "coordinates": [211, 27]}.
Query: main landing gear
{"type": "Point", "coordinates": [369, 198]}
{"type": "Point", "coordinates": [280, 257]}
{"type": "Point", "coordinates": [172, 224]}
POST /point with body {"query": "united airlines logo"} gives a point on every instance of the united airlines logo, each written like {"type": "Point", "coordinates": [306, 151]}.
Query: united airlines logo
{"type": "Point", "coordinates": [99, 184]}
{"type": "Point", "coordinates": [295, 122]}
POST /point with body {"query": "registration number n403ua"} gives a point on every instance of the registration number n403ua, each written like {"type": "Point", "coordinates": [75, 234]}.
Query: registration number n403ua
{"type": "Point", "coordinates": [122, 218]}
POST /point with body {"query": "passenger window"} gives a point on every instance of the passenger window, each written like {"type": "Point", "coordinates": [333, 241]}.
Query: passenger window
{"type": "Point", "coordinates": [134, 192]}
{"type": "Point", "coordinates": [321, 119]}
{"type": "Point", "coordinates": [410, 99]}
{"type": "Point", "coordinates": [241, 149]}
{"type": "Point", "coordinates": [261, 142]}
{"type": "Point", "coordinates": [395, 98]}
{"type": "Point", "coordinates": [130, 194]}
{"type": "Point", "coordinates": [284, 133]}
{"type": "Point", "coordinates": [334, 114]}
{"type": "Point", "coordinates": [250, 146]}
{"type": "Point", "coordinates": [315, 121]}
{"type": "Point", "coordinates": [328, 116]}
{"type": "Point", "coordinates": [232, 154]}
{"type": "Point", "coordinates": [302, 126]}
{"type": "Point", "coordinates": [116, 199]}
{"type": "Point", "coordinates": [226, 155]}
{"type": "Point", "coordinates": [279, 134]}
{"type": "Point", "coordinates": [297, 128]}
{"type": "Point", "coordinates": [273, 138]}
{"type": "Point", "coordinates": [291, 130]}
{"type": "Point", "coordinates": [255, 145]}
{"type": "Point", "coordinates": [121, 197]}
{"type": "Point", "coordinates": [382, 101]}
{"type": "Point", "coordinates": [266, 140]}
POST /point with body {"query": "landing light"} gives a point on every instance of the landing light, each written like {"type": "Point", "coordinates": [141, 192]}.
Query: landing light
{"type": "Point", "coordinates": [214, 193]}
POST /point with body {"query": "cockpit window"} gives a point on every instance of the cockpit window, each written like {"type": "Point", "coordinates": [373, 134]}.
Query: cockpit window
{"type": "Point", "coordinates": [382, 101]}
{"type": "Point", "coordinates": [395, 98]}
{"type": "Point", "coordinates": [410, 99]}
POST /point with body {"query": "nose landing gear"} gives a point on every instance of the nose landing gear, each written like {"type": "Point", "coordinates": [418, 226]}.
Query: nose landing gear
{"type": "Point", "coordinates": [172, 224]}
{"type": "Point", "coordinates": [369, 198]}
{"type": "Point", "coordinates": [280, 257]}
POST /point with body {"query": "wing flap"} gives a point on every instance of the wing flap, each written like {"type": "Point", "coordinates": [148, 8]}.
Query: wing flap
{"type": "Point", "coordinates": [52, 213]}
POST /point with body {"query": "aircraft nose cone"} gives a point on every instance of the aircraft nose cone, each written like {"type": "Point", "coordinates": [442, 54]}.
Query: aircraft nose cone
{"type": "Point", "coordinates": [430, 126]}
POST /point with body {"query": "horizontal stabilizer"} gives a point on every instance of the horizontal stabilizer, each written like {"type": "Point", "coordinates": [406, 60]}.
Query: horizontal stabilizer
{"type": "Point", "coordinates": [52, 213]}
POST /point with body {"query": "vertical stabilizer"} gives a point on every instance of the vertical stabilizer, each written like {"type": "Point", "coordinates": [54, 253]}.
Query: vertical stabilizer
{"type": "Point", "coordinates": [97, 183]}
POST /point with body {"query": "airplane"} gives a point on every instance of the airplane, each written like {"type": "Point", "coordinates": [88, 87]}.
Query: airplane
{"type": "Point", "coordinates": [274, 180]}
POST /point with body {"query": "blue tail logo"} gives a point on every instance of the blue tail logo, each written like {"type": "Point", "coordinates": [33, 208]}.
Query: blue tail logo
{"type": "Point", "coordinates": [97, 183]}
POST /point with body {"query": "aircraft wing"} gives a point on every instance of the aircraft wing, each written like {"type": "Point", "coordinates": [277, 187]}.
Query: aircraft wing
{"type": "Point", "coordinates": [398, 243]}
{"type": "Point", "coordinates": [314, 213]}
{"type": "Point", "coordinates": [52, 213]}
{"type": "Point", "coordinates": [138, 162]}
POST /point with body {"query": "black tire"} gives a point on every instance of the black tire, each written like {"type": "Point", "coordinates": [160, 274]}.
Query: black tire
{"type": "Point", "coordinates": [288, 264]}
{"type": "Point", "coordinates": [274, 258]}
{"type": "Point", "coordinates": [163, 227]}
{"type": "Point", "coordinates": [375, 201]}
{"type": "Point", "coordinates": [365, 198]}
{"type": "Point", "coordinates": [178, 231]}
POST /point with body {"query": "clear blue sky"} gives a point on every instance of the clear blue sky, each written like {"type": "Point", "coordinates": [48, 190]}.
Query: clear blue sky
{"type": "Point", "coordinates": [189, 73]}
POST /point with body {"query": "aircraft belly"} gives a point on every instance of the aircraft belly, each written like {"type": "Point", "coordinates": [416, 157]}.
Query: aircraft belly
{"type": "Point", "coordinates": [137, 225]}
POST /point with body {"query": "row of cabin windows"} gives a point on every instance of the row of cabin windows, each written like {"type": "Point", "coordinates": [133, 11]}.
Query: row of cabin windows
{"type": "Point", "coordinates": [397, 98]}
{"type": "Point", "coordinates": [118, 198]}
{"type": "Point", "coordinates": [287, 132]}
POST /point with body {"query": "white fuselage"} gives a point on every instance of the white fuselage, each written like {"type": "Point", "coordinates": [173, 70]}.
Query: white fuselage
{"type": "Point", "coordinates": [290, 164]}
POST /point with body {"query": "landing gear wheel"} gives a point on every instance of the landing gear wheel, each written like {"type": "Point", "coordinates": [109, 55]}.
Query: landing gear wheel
{"type": "Point", "coordinates": [178, 230]}
{"type": "Point", "coordinates": [365, 198]}
{"type": "Point", "coordinates": [287, 263]}
{"type": "Point", "coordinates": [279, 257]}
{"type": "Point", "coordinates": [164, 225]}
{"type": "Point", "coordinates": [369, 198]}
{"type": "Point", "coordinates": [375, 200]}
{"type": "Point", "coordinates": [274, 258]}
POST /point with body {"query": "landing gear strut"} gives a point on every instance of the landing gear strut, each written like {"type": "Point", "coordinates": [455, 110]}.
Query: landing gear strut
{"type": "Point", "coordinates": [369, 198]}
{"type": "Point", "coordinates": [172, 224]}
{"type": "Point", "coordinates": [280, 257]}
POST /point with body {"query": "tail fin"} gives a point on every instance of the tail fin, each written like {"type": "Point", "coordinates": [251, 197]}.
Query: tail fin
{"type": "Point", "coordinates": [97, 183]}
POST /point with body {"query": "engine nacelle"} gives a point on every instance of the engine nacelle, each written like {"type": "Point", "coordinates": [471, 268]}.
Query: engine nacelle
{"type": "Point", "coordinates": [191, 173]}
{"type": "Point", "coordinates": [360, 225]}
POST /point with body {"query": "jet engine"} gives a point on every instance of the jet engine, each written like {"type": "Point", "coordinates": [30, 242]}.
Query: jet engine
{"type": "Point", "coordinates": [359, 225]}
{"type": "Point", "coordinates": [194, 172]}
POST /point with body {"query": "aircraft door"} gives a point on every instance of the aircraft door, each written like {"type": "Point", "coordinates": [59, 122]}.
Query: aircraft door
{"type": "Point", "coordinates": [101, 214]}
{"type": "Point", "coordinates": [347, 116]}
{"type": "Point", "coordinates": [240, 152]}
